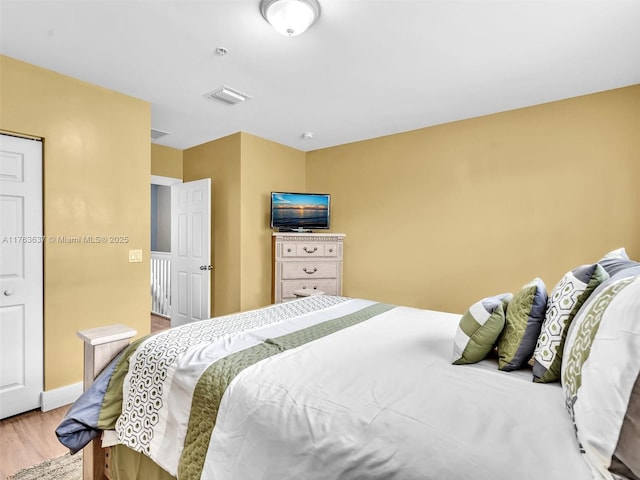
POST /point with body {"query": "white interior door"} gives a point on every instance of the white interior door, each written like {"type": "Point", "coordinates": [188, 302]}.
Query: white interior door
{"type": "Point", "coordinates": [21, 349]}
{"type": "Point", "coordinates": [190, 251]}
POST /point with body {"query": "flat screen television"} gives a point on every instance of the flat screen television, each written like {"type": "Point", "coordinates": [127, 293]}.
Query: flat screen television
{"type": "Point", "coordinates": [299, 212]}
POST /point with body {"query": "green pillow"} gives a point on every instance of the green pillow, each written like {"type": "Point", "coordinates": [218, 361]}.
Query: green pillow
{"type": "Point", "coordinates": [479, 329]}
{"type": "Point", "coordinates": [525, 314]}
{"type": "Point", "coordinates": [565, 301]}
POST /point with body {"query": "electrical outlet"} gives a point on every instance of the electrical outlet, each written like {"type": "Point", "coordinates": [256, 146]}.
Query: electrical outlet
{"type": "Point", "coordinates": [135, 256]}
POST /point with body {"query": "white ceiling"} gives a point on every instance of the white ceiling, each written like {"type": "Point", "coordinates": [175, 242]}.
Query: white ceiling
{"type": "Point", "coordinates": [368, 67]}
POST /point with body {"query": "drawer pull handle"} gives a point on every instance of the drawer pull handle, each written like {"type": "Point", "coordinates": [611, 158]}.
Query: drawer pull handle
{"type": "Point", "coordinates": [288, 250]}
{"type": "Point", "coordinates": [331, 250]}
{"type": "Point", "coordinates": [311, 250]}
{"type": "Point", "coordinates": [315, 269]}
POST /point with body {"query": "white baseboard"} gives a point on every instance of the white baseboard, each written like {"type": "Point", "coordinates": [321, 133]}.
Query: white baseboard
{"type": "Point", "coordinates": [61, 396]}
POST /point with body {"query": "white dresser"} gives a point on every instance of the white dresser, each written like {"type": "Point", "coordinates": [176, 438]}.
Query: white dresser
{"type": "Point", "coordinates": [307, 263]}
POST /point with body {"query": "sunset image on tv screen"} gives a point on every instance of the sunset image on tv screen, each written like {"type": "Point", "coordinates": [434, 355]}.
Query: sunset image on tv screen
{"type": "Point", "coordinates": [300, 210]}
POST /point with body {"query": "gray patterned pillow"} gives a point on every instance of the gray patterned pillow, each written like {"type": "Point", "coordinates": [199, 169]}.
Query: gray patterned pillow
{"type": "Point", "coordinates": [565, 300]}
{"type": "Point", "coordinates": [601, 378]}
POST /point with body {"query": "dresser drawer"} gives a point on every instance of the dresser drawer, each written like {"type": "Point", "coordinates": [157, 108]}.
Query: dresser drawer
{"type": "Point", "coordinates": [330, 287]}
{"type": "Point", "coordinates": [309, 250]}
{"type": "Point", "coordinates": [309, 270]}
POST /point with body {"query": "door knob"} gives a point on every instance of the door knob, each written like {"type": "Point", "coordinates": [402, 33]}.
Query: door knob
{"type": "Point", "coordinates": [206, 267]}
{"type": "Point", "coordinates": [8, 293]}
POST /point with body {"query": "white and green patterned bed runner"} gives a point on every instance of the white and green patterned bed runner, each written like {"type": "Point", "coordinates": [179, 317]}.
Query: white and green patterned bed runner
{"type": "Point", "coordinates": [213, 383]}
{"type": "Point", "coordinates": [177, 378]}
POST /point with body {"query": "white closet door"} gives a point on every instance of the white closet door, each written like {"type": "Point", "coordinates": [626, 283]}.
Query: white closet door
{"type": "Point", "coordinates": [21, 285]}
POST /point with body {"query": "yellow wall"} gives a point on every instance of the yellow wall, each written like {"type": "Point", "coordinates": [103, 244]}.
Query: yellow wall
{"type": "Point", "coordinates": [166, 161]}
{"type": "Point", "coordinates": [220, 161]}
{"type": "Point", "coordinates": [443, 216]}
{"type": "Point", "coordinates": [266, 167]}
{"type": "Point", "coordinates": [96, 182]}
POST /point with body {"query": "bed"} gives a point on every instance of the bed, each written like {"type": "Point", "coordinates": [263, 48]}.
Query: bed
{"type": "Point", "coordinates": [328, 387]}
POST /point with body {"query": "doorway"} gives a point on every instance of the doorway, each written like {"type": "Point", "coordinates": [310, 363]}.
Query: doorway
{"type": "Point", "coordinates": [181, 272]}
{"type": "Point", "coordinates": [161, 244]}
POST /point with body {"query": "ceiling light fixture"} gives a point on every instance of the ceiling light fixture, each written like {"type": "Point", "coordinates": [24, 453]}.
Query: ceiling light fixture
{"type": "Point", "coordinates": [290, 17]}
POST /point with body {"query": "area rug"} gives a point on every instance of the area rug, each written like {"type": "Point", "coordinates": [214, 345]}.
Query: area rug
{"type": "Point", "coordinates": [67, 467]}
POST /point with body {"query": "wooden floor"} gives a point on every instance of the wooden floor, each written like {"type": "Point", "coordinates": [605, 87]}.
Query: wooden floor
{"type": "Point", "coordinates": [29, 438]}
{"type": "Point", "coordinates": [159, 323]}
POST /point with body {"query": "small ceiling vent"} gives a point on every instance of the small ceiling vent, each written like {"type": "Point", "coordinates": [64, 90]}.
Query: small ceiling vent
{"type": "Point", "coordinates": [155, 134]}
{"type": "Point", "coordinates": [227, 95]}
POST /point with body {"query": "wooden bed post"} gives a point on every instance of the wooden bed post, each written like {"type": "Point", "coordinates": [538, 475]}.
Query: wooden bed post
{"type": "Point", "coordinates": [101, 345]}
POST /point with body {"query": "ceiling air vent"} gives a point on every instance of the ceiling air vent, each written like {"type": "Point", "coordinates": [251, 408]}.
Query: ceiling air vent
{"type": "Point", "coordinates": [155, 134]}
{"type": "Point", "coordinates": [227, 95]}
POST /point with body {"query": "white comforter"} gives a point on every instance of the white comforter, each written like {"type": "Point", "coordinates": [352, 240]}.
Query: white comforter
{"type": "Point", "coordinates": [377, 400]}
{"type": "Point", "coordinates": [381, 400]}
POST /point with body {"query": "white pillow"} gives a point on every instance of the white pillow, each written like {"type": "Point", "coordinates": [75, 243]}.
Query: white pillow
{"type": "Point", "coordinates": [601, 379]}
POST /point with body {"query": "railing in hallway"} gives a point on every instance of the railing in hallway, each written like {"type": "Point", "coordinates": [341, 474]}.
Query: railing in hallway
{"type": "Point", "coordinates": [161, 283]}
